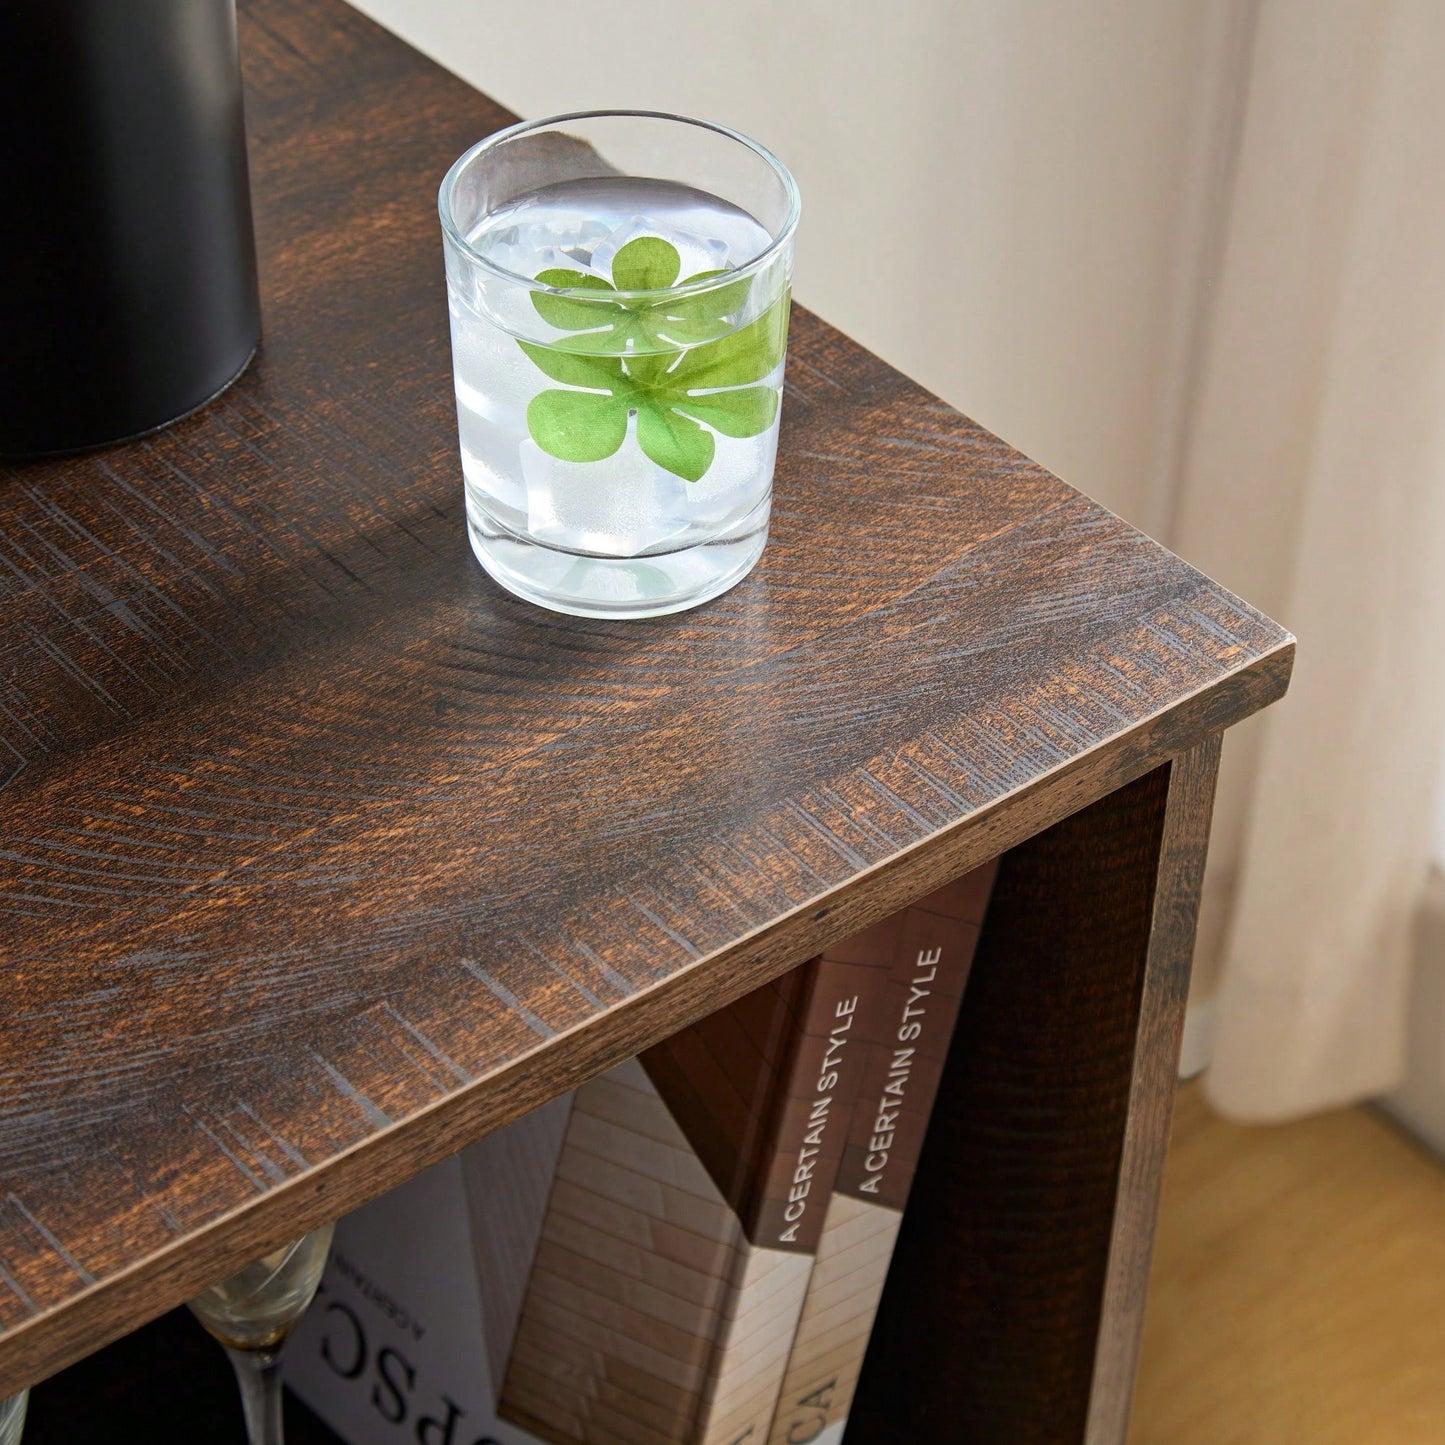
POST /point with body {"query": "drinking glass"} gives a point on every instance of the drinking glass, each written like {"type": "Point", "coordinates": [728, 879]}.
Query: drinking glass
{"type": "Point", "coordinates": [619, 285]}
{"type": "Point", "coordinates": [252, 1312]}
{"type": "Point", "coordinates": [12, 1418]}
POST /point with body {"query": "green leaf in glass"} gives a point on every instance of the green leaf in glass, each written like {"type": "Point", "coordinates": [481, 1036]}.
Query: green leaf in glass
{"type": "Point", "coordinates": [648, 368]}
{"type": "Point", "coordinates": [600, 373]}
{"type": "Point", "coordinates": [712, 305]}
{"type": "Point", "coordinates": [741, 358]}
{"type": "Point", "coordinates": [674, 442]}
{"type": "Point", "coordinates": [577, 426]}
{"type": "Point", "coordinates": [646, 263]}
{"type": "Point", "coordinates": [654, 357]}
{"type": "Point", "coordinates": [574, 313]}
{"type": "Point", "coordinates": [747, 412]}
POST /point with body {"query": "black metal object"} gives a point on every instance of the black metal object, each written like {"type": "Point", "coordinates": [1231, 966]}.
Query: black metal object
{"type": "Point", "coordinates": [127, 266]}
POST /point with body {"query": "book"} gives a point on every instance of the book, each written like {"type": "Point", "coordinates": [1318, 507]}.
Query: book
{"type": "Point", "coordinates": [902, 1056]}
{"type": "Point", "coordinates": [412, 1326]}
{"type": "Point", "coordinates": [647, 1296]}
{"type": "Point", "coordinates": [689, 1198]}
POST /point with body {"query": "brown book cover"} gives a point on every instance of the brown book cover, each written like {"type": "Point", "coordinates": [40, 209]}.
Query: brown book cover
{"type": "Point", "coordinates": [902, 1063]}
{"type": "Point", "coordinates": [688, 1202]}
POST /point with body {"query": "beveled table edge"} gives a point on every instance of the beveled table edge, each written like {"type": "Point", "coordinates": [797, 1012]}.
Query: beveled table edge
{"type": "Point", "coordinates": [109, 1308]}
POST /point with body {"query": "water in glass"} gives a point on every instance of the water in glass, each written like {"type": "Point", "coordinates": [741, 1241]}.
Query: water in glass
{"type": "Point", "coordinates": [618, 453]}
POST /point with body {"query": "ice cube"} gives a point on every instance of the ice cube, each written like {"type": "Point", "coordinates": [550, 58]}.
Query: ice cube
{"type": "Point", "coordinates": [489, 463]}
{"type": "Point", "coordinates": [697, 253]}
{"type": "Point", "coordinates": [736, 480]}
{"type": "Point", "coordinates": [521, 249]}
{"type": "Point", "coordinates": [527, 249]}
{"type": "Point", "coordinates": [582, 241]}
{"type": "Point", "coordinates": [494, 377]}
{"type": "Point", "coordinates": [619, 507]}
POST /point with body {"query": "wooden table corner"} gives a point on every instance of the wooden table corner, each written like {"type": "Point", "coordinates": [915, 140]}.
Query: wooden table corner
{"type": "Point", "coordinates": [323, 857]}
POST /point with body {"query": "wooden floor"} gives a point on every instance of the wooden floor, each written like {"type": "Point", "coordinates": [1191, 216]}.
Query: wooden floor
{"type": "Point", "coordinates": [1298, 1291]}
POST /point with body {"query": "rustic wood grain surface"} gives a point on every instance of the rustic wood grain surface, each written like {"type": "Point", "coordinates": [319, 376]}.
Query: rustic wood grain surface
{"type": "Point", "coordinates": [1017, 1288]}
{"type": "Point", "coordinates": [320, 856]}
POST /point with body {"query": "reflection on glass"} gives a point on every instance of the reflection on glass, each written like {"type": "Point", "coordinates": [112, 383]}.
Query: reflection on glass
{"type": "Point", "coordinates": [251, 1314]}
{"type": "Point", "coordinates": [12, 1418]}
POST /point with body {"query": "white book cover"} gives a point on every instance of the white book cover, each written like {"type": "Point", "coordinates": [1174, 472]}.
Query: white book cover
{"type": "Point", "coordinates": [395, 1347]}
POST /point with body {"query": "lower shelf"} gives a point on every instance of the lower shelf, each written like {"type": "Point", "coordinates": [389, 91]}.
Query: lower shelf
{"type": "Point", "coordinates": [166, 1384]}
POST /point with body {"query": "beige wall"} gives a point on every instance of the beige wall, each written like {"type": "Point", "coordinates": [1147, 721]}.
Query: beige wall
{"type": "Point", "coordinates": [1009, 199]}
{"type": "Point", "coordinates": [1113, 231]}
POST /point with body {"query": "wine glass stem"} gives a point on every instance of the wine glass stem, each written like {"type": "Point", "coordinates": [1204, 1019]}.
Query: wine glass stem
{"type": "Point", "coordinates": [258, 1372]}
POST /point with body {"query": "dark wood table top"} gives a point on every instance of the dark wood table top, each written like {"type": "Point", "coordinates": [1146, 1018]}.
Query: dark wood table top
{"type": "Point", "coordinates": [320, 856]}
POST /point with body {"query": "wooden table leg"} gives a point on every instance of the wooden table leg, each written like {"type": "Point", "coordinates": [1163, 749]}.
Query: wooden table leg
{"type": "Point", "coordinates": [1015, 1301]}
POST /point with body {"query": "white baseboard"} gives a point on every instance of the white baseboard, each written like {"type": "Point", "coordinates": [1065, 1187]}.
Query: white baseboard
{"type": "Point", "coordinates": [1419, 1103]}
{"type": "Point", "coordinates": [1198, 1044]}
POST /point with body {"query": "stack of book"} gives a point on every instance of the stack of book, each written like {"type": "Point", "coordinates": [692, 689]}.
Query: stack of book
{"type": "Point", "coordinates": [689, 1250]}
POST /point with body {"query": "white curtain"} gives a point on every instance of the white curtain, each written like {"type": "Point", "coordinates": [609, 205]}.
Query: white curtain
{"type": "Point", "coordinates": [1314, 484]}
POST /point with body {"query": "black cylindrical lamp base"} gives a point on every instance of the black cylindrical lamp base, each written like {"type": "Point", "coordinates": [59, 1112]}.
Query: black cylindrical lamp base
{"type": "Point", "coordinates": [127, 265]}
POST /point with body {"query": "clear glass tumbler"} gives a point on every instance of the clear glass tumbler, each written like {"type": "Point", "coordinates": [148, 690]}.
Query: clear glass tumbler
{"type": "Point", "coordinates": [619, 285]}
